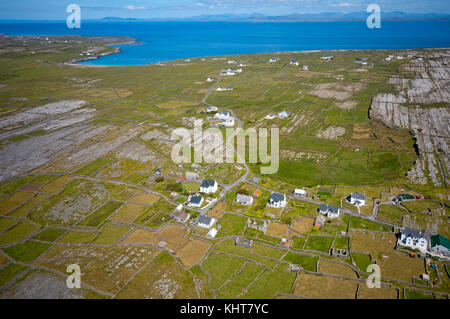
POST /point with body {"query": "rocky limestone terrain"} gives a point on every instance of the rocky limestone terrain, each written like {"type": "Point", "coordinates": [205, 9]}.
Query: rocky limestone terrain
{"type": "Point", "coordinates": [421, 106]}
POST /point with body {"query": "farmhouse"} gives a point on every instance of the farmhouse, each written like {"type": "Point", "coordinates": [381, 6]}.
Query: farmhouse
{"type": "Point", "coordinates": [413, 239]}
{"type": "Point", "coordinates": [277, 200]}
{"type": "Point", "coordinates": [405, 197]}
{"type": "Point", "coordinates": [209, 79]}
{"type": "Point", "coordinates": [270, 117]}
{"type": "Point", "coordinates": [221, 88]}
{"type": "Point", "coordinates": [305, 68]}
{"type": "Point", "coordinates": [244, 199]}
{"type": "Point", "coordinates": [329, 210]}
{"type": "Point", "coordinates": [242, 64]}
{"type": "Point", "coordinates": [222, 115]}
{"type": "Point", "coordinates": [206, 221]}
{"type": "Point", "coordinates": [211, 109]}
{"type": "Point", "coordinates": [294, 63]}
{"type": "Point", "coordinates": [357, 199]}
{"type": "Point", "coordinates": [195, 201]}
{"type": "Point", "coordinates": [273, 60]}
{"type": "Point", "coordinates": [440, 245]}
{"type": "Point", "coordinates": [208, 186]}
{"type": "Point", "coordinates": [239, 70]}
{"type": "Point", "coordinates": [300, 192]}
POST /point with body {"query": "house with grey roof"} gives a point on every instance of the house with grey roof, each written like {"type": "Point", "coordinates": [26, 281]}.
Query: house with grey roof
{"type": "Point", "coordinates": [244, 199]}
{"type": "Point", "coordinates": [329, 210]}
{"type": "Point", "coordinates": [439, 245]}
{"type": "Point", "coordinates": [208, 186]}
{"type": "Point", "coordinates": [277, 200]}
{"type": "Point", "coordinates": [195, 201]}
{"type": "Point", "coordinates": [192, 177]}
{"type": "Point", "coordinates": [206, 221]}
{"type": "Point", "coordinates": [413, 239]}
{"type": "Point", "coordinates": [357, 199]}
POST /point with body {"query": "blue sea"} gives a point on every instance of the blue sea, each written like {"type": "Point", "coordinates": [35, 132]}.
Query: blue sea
{"type": "Point", "coordinates": [166, 41]}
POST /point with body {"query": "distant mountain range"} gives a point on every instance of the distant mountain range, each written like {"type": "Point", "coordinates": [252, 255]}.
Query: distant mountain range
{"type": "Point", "coordinates": [325, 16]}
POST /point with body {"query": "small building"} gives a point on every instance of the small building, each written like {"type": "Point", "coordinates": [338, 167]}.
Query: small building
{"type": "Point", "coordinates": [222, 115]}
{"type": "Point", "coordinates": [283, 115]}
{"type": "Point", "coordinates": [229, 122]}
{"type": "Point", "coordinates": [413, 239]}
{"type": "Point", "coordinates": [405, 197]}
{"type": "Point", "coordinates": [192, 177]}
{"type": "Point", "coordinates": [357, 199]}
{"type": "Point", "coordinates": [273, 60]}
{"type": "Point", "coordinates": [258, 224]}
{"type": "Point", "coordinates": [319, 222]}
{"type": "Point", "coordinates": [340, 253]}
{"type": "Point", "coordinates": [211, 109]}
{"type": "Point", "coordinates": [270, 116]}
{"type": "Point", "coordinates": [206, 221]}
{"type": "Point", "coordinates": [294, 63]}
{"type": "Point", "coordinates": [210, 79]}
{"type": "Point", "coordinates": [244, 199]}
{"type": "Point", "coordinates": [305, 68]}
{"type": "Point", "coordinates": [439, 245]}
{"type": "Point", "coordinates": [277, 200]}
{"type": "Point", "coordinates": [208, 186]}
{"type": "Point", "coordinates": [181, 217]}
{"type": "Point", "coordinates": [243, 242]}
{"type": "Point", "coordinates": [239, 70]}
{"type": "Point", "coordinates": [221, 88]}
{"type": "Point", "coordinates": [329, 210]}
{"type": "Point", "coordinates": [300, 192]}
{"type": "Point", "coordinates": [231, 62]}
{"type": "Point", "coordinates": [294, 268]}
{"type": "Point", "coordinates": [195, 201]}
{"type": "Point", "coordinates": [242, 64]}
{"type": "Point", "coordinates": [212, 233]}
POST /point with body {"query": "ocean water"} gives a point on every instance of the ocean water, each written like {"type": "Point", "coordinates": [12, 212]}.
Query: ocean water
{"type": "Point", "coordinates": [166, 41]}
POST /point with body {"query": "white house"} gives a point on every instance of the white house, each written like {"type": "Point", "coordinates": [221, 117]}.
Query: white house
{"type": "Point", "coordinates": [206, 221]}
{"type": "Point", "coordinates": [229, 122]}
{"type": "Point", "coordinates": [273, 60]}
{"type": "Point", "coordinates": [239, 70]}
{"type": "Point", "coordinates": [413, 239]}
{"type": "Point", "coordinates": [300, 192]}
{"type": "Point", "coordinates": [328, 58]}
{"type": "Point", "coordinates": [270, 117]}
{"type": "Point", "coordinates": [231, 62]}
{"type": "Point", "coordinates": [209, 79]}
{"type": "Point", "coordinates": [211, 109]}
{"type": "Point", "coordinates": [305, 68]}
{"type": "Point", "coordinates": [283, 115]}
{"type": "Point", "coordinates": [222, 115]}
{"type": "Point", "coordinates": [294, 63]}
{"type": "Point", "coordinates": [357, 199]}
{"type": "Point", "coordinates": [329, 210]}
{"type": "Point", "coordinates": [277, 200]}
{"type": "Point", "coordinates": [230, 72]}
{"type": "Point", "coordinates": [195, 201]}
{"type": "Point", "coordinates": [244, 199]}
{"type": "Point", "coordinates": [212, 233]}
{"type": "Point", "coordinates": [221, 88]}
{"type": "Point", "coordinates": [208, 186]}
{"type": "Point", "coordinates": [242, 64]}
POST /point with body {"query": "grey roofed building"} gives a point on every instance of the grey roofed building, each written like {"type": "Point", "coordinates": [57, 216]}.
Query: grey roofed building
{"type": "Point", "coordinates": [277, 197]}
{"type": "Point", "coordinates": [414, 233]}
{"type": "Point", "coordinates": [358, 196]}
{"type": "Point", "coordinates": [207, 183]}
{"type": "Point", "coordinates": [195, 200]}
{"type": "Point", "coordinates": [329, 209]}
{"type": "Point", "coordinates": [205, 220]}
{"type": "Point", "coordinates": [244, 199]}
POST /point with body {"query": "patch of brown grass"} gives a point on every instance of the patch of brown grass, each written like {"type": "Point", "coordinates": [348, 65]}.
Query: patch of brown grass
{"type": "Point", "coordinates": [324, 287]}
{"type": "Point", "coordinates": [329, 267]}
{"type": "Point", "coordinates": [384, 292]}
{"type": "Point", "coordinates": [56, 185]}
{"type": "Point", "coordinates": [147, 199]}
{"type": "Point", "coordinates": [129, 213]}
{"type": "Point", "coordinates": [303, 224]}
{"type": "Point", "coordinates": [218, 210]}
{"type": "Point", "coordinates": [192, 253]}
{"type": "Point", "coordinates": [14, 201]}
{"type": "Point", "coordinates": [277, 229]}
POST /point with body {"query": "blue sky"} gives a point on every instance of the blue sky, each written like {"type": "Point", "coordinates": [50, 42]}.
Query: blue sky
{"type": "Point", "coordinates": [91, 9]}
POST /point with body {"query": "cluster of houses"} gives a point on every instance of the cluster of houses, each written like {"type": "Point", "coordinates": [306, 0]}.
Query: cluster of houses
{"type": "Point", "coordinates": [272, 60]}
{"type": "Point", "coordinates": [281, 115]}
{"type": "Point", "coordinates": [304, 68]}
{"type": "Point", "coordinates": [225, 119]}
{"type": "Point", "coordinates": [207, 186]}
{"type": "Point", "coordinates": [221, 88]}
{"type": "Point", "coordinates": [435, 245]}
